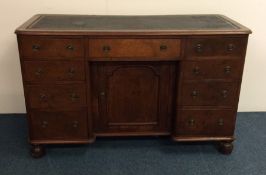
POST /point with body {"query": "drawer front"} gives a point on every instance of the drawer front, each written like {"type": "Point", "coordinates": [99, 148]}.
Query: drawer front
{"type": "Point", "coordinates": [58, 125]}
{"type": "Point", "coordinates": [212, 69]}
{"type": "Point", "coordinates": [134, 48]}
{"type": "Point", "coordinates": [209, 94]}
{"type": "Point", "coordinates": [46, 48]}
{"type": "Point", "coordinates": [205, 122]}
{"type": "Point", "coordinates": [216, 47]}
{"type": "Point", "coordinates": [54, 71]}
{"type": "Point", "coordinates": [56, 96]}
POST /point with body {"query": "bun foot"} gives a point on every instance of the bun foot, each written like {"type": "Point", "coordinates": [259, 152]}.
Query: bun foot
{"type": "Point", "coordinates": [226, 147]}
{"type": "Point", "coordinates": [37, 151]}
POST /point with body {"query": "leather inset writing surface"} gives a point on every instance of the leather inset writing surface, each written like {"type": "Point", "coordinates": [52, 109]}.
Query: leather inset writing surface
{"type": "Point", "coordinates": [165, 22]}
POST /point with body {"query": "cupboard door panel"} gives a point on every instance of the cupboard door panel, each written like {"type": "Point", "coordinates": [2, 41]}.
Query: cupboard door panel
{"type": "Point", "coordinates": [130, 95]}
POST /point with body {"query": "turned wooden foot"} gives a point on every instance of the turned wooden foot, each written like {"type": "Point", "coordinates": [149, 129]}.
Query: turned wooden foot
{"type": "Point", "coordinates": [226, 147]}
{"type": "Point", "coordinates": [37, 151]}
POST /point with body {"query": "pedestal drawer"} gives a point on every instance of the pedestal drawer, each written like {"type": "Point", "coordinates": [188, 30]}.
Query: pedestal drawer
{"type": "Point", "coordinates": [42, 71]}
{"type": "Point", "coordinates": [49, 47]}
{"type": "Point", "coordinates": [212, 69]}
{"type": "Point", "coordinates": [212, 122]}
{"type": "Point", "coordinates": [66, 96]}
{"type": "Point", "coordinates": [209, 93]}
{"type": "Point", "coordinates": [58, 125]}
{"type": "Point", "coordinates": [216, 47]}
{"type": "Point", "coordinates": [134, 49]}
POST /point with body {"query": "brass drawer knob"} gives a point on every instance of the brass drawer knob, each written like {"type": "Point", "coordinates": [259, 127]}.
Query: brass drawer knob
{"type": "Point", "coordinates": [36, 47]}
{"type": "Point", "coordinates": [42, 97]}
{"type": "Point", "coordinates": [199, 48]}
{"type": "Point", "coordinates": [230, 47]}
{"type": "Point", "coordinates": [70, 47]}
{"type": "Point", "coordinates": [221, 122]}
{"type": "Point", "coordinates": [194, 94]}
{"type": "Point", "coordinates": [74, 97]}
{"type": "Point", "coordinates": [44, 124]}
{"type": "Point", "coordinates": [224, 93]}
{"type": "Point", "coordinates": [75, 124]}
{"type": "Point", "coordinates": [196, 71]}
{"type": "Point", "coordinates": [106, 48]}
{"type": "Point", "coordinates": [71, 72]}
{"type": "Point", "coordinates": [39, 72]}
{"type": "Point", "coordinates": [163, 47]}
{"type": "Point", "coordinates": [227, 69]}
{"type": "Point", "coordinates": [102, 94]}
{"type": "Point", "coordinates": [191, 122]}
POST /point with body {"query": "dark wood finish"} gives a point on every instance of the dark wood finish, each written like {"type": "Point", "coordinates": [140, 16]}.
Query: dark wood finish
{"type": "Point", "coordinates": [46, 125]}
{"type": "Point", "coordinates": [47, 71]}
{"type": "Point", "coordinates": [209, 93]}
{"type": "Point", "coordinates": [127, 96]}
{"type": "Point", "coordinates": [205, 123]}
{"type": "Point", "coordinates": [49, 48]}
{"type": "Point", "coordinates": [87, 76]}
{"type": "Point", "coordinates": [56, 96]}
{"type": "Point", "coordinates": [212, 69]}
{"type": "Point", "coordinates": [216, 47]}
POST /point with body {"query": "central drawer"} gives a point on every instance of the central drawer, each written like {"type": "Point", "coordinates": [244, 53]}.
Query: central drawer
{"type": "Point", "coordinates": [134, 49]}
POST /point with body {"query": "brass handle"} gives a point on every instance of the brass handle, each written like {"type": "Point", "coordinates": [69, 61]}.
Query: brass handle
{"type": "Point", "coordinates": [106, 49]}
{"type": "Point", "coordinates": [224, 93]}
{"type": "Point", "coordinates": [42, 97]}
{"type": "Point", "coordinates": [70, 47]}
{"type": "Point", "coordinates": [71, 72]}
{"type": "Point", "coordinates": [36, 47]}
{"type": "Point", "coordinates": [230, 47]}
{"type": "Point", "coordinates": [44, 124]}
{"type": "Point", "coordinates": [39, 72]}
{"type": "Point", "coordinates": [74, 97]}
{"type": "Point", "coordinates": [75, 124]}
{"type": "Point", "coordinates": [102, 93]}
{"type": "Point", "coordinates": [191, 122]}
{"type": "Point", "coordinates": [163, 47]}
{"type": "Point", "coordinates": [199, 48]}
{"type": "Point", "coordinates": [221, 122]}
{"type": "Point", "coordinates": [194, 94]}
{"type": "Point", "coordinates": [196, 71]}
{"type": "Point", "coordinates": [227, 69]}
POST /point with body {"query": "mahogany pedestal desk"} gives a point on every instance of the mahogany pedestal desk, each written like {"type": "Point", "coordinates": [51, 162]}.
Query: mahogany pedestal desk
{"type": "Point", "coordinates": [91, 76]}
